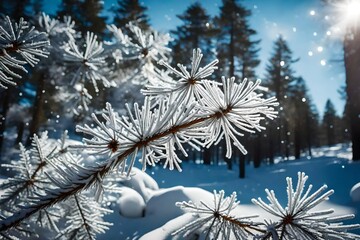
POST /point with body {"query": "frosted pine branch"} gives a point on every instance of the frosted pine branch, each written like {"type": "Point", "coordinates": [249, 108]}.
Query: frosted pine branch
{"type": "Point", "coordinates": [88, 62]}
{"type": "Point", "coordinates": [218, 220]}
{"type": "Point", "coordinates": [20, 44]}
{"type": "Point", "coordinates": [84, 220]}
{"type": "Point", "coordinates": [147, 131]}
{"type": "Point", "coordinates": [187, 83]}
{"type": "Point", "coordinates": [297, 220]}
{"type": "Point", "coordinates": [237, 107]}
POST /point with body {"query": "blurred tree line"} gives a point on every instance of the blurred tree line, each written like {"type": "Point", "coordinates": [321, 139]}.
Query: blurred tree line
{"type": "Point", "coordinates": [228, 37]}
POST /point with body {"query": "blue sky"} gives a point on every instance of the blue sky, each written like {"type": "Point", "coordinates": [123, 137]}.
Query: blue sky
{"type": "Point", "coordinates": [305, 31]}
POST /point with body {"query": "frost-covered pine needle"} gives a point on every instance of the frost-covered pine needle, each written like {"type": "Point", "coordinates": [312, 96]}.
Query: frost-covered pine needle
{"type": "Point", "coordinates": [217, 220]}
{"type": "Point", "coordinates": [298, 220]}
{"type": "Point", "coordinates": [88, 61]}
{"type": "Point", "coordinates": [237, 107]}
{"type": "Point", "coordinates": [186, 85]}
{"type": "Point", "coordinates": [20, 44]}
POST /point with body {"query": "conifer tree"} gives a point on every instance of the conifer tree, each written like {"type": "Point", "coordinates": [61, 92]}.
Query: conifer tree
{"type": "Point", "coordinates": [351, 58]}
{"type": "Point", "coordinates": [196, 31]}
{"type": "Point", "coordinates": [303, 122]}
{"type": "Point", "coordinates": [329, 123]}
{"type": "Point", "coordinates": [70, 8]}
{"type": "Point", "coordinates": [352, 70]}
{"type": "Point", "coordinates": [279, 77]}
{"type": "Point", "coordinates": [15, 10]}
{"type": "Point", "coordinates": [236, 46]}
{"type": "Point", "coordinates": [87, 15]}
{"type": "Point", "coordinates": [92, 18]}
{"type": "Point", "coordinates": [130, 11]}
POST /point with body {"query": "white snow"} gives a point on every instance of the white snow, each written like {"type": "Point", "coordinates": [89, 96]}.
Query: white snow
{"type": "Point", "coordinates": [131, 204]}
{"type": "Point", "coordinates": [355, 192]}
{"type": "Point", "coordinates": [145, 211]}
{"type": "Point", "coordinates": [142, 183]}
{"type": "Point", "coordinates": [330, 166]}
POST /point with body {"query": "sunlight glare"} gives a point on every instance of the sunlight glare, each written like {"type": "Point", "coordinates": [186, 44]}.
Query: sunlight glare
{"type": "Point", "coordinates": [349, 12]}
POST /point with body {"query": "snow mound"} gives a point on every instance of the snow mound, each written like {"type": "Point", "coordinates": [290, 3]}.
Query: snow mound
{"type": "Point", "coordinates": [355, 192]}
{"type": "Point", "coordinates": [142, 183]}
{"type": "Point", "coordinates": [131, 204]}
{"type": "Point", "coordinates": [163, 201]}
{"type": "Point", "coordinates": [165, 231]}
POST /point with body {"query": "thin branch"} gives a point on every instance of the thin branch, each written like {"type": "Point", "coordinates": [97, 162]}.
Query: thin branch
{"type": "Point", "coordinates": [92, 177]}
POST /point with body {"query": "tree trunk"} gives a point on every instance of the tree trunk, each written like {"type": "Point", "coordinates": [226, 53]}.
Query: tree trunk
{"type": "Point", "coordinates": [257, 151]}
{"type": "Point", "coordinates": [232, 50]}
{"type": "Point", "coordinates": [242, 166]}
{"type": "Point", "coordinates": [308, 134]}
{"type": "Point", "coordinates": [287, 140]}
{"type": "Point", "coordinates": [229, 163]}
{"type": "Point", "coordinates": [20, 132]}
{"type": "Point", "coordinates": [297, 144]}
{"type": "Point", "coordinates": [37, 108]}
{"type": "Point", "coordinates": [352, 70]}
{"type": "Point", "coordinates": [3, 115]}
{"type": "Point", "coordinates": [271, 145]}
{"type": "Point", "coordinates": [207, 155]}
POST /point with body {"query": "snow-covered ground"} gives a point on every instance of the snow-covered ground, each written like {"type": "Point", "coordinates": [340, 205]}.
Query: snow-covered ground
{"type": "Point", "coordinates": [146, 207]}
{"type": "Point", "coordinates": [160, 217]}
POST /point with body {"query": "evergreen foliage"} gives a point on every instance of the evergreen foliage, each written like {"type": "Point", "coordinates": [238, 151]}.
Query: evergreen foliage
{"type": "Point", "coordinates": [197, 30]}
{"type": "Point", "coordinates": [236, 45]}
{"type": "Point", "coordinates": [329, 123]}
{"type": "Point", "coordinates": [132, 11]}
{"type": "Point", "coordinates": [55, 193]}
{"type": "Point", "coordinates": [86, 14]}
{"type": "Point", "coordinates": [279, 78]}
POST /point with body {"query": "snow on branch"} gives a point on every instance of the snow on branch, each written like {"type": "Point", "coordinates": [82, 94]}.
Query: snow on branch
{"type": "Point", "coordinates": [88, 61]}
{"type": "Point", "coordinates": [85, 219]}
{"type": "Point", "coordinates": [153, 132]}
{"type": "Point", "coordinates": [298, 220]}
{"type": "Point", "coordinates": [187, 84]}
{"type": "Point", "coordinates": [20, 44]}
{"type": "Point", "coordinates": [217, 220]}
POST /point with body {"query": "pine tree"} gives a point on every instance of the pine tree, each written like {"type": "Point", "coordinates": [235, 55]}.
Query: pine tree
{"type": "Point", "coordinates": [279, 78]}
{"type": "Point", "coordinates": [351, 58]}
{"type": "Point", "coordinates": [92, 18]}
{"type": "Point", "coordinates": [15, 10]}
{"type": "Point", "coordinates": [352, 70]}
{"type": "Point", "coordinates": [330, 120]}
{"type": "Point", "coordinates": [196, 31]}
{"type": "Point", "coordinates": [70, 8]}
{"type": "Point", "coordinates": [130, 11]}
{"type": "Point", "coordinates": [21, 46]}
{"type": "Point", "coordinates": [86, 14]}
{"type": "Point", "coordinates": [54, 189]}
{"type": "Point", "coordinates": [236, 46]}
{"type": "Point", "coordinates": [302, 113]}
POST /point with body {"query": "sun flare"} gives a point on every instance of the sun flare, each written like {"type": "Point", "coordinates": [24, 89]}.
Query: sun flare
{"type": "Point", "coordinates": [348, 12]}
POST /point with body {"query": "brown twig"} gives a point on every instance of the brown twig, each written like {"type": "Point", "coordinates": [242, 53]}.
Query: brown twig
{"type": "Point", "coordinates": [92, 177]}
